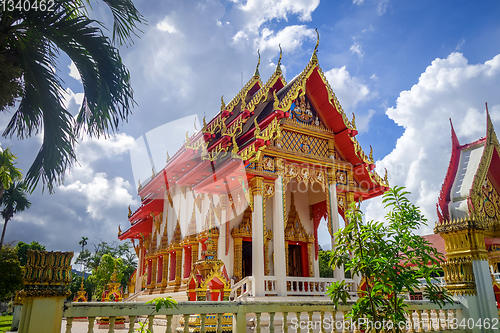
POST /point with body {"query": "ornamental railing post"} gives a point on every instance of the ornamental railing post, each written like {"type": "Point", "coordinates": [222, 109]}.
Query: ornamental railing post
{"type": "Point", "coordinates": [46, 277]}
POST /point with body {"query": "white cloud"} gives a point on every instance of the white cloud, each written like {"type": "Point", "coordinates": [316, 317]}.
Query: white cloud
{"type": "Point", "coordinates": [260, 11]}
{"type": "Point", "coordinates": [449, 88]}
{"type": "Point", "coordinates": [102, 194]}
{"type": "Point", "coordinates": [349, 90]}
{"type": "Point", "coordinates": [240, 36]}
{"type": "Point", "coordinates": [290, 38]}
{"type": "Point", "coordinates": [74, 73]}
{"type": "Point", "coordinates": [166, 25]}
{"type": "Point", "coordinates": [356, 48]}
{"type": "Point", "coordinates": [363, 121]}
{"type": "Point", "coordinates": [71, 101]}
{"type": "Point", "coordinates": [358, 2]}
{"type": "Point", "coordinates": [93, 150]}
{"type": "Point", "coordinates": [382, 7]}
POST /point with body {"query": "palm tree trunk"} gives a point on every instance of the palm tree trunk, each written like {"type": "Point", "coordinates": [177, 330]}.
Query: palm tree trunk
{"type": "Point", "coordinates": [3, 233]}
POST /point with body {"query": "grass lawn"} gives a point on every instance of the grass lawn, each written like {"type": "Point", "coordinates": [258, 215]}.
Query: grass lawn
{"type": "Point", "coordinates": [5, 322]}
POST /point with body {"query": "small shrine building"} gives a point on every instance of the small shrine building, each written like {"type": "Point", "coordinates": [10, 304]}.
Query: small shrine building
{"type": "Point", "coordinates": [468, 211]}
{"type": "Point", "coordinates": [236, 210]}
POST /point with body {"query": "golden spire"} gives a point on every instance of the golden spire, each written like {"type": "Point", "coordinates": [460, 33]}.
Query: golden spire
{"type": "Point", "coordinates": [278, 66]}
{"type": "Point", "coordinates": [314, 56]}
{"type": "Point", "coordinates": [257, 74]}
{"type": "Point", "coordinates": [353, 122]}
{"type": "Point", "coordinates": [222, 105]}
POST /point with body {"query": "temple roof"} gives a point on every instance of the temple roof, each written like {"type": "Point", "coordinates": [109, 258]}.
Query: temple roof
{"type": "Point", "coordinates": [471, 166]}
{"type": "Point", "coordinates": [216, 158]}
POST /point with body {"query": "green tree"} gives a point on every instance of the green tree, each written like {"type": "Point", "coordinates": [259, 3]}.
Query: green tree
{"type": "Point", "coordinates": [22, 250]}
{"type": "Point", "coordinates": [325, 270]}
{"type": "Point", "coordinates": [31, 41]}
{"type": "Point", "coordinates": [92, 261]}
{"type": "Point", "coordinates": [76, 282]}
{"type": "Point", "coordinates": [11, 278]}
{"type": "Point", "coordinates": [102, 275]}
{"type": "Point", "coordinates": [390, 257]}
{"type": "Point", "coordinates": [13, 201]}
{"type": "Point", "coordinates": [8, 171]}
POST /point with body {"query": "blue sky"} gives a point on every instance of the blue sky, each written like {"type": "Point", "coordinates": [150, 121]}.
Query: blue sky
{"type": "Point", "coordinates": [403, 67]}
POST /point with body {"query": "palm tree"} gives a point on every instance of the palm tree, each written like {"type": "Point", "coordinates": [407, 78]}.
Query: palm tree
{"type": "Point", "coordinates": [14, 200]}
{"type": "Point", "coordinates": [8, 172]}
{"type": "Point", "coordinates": [31, 40]}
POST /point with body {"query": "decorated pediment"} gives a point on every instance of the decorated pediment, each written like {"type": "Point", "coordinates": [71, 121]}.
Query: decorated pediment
{"type": "Point", "coordinates": [302, 112]}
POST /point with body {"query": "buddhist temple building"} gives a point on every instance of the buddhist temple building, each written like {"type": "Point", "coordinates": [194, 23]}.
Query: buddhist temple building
{"type": "Point", "coordinates": [235, 211]}
{"type": "Point", "coordinates": [468, 211]}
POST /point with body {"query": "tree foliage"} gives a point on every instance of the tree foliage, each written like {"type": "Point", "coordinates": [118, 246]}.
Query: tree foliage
{"type": "Point", "coordinates": [13, 200]}
{"type": "Point", "coordinates": [8, 171]}
{"type": "Point", "coordinates": [22, 250]}
{"type": "Point", "coordinates": [102, 275]}
{"type": "Point", "coordinates": [325, 270]}
{"type": "Point", "coordinates": [101, 271]}
{"type": "Point", "coordinates": [390, 257]}
{"type": "Point", "coordinates": [76, 282]}
{"type": "Point", "coordinates": [11, 278]}
{"type": "Point", "coordinates": [30, 42]}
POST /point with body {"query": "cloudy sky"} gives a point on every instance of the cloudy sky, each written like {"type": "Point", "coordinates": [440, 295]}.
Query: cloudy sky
{"type": "Point", "coordinates": [403, 67]}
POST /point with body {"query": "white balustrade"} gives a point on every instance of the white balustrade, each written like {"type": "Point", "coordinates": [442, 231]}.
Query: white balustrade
{"type": "Point", "coordinates": [242, 289]}
{"type": "Point", "coordinates": [287, 316]}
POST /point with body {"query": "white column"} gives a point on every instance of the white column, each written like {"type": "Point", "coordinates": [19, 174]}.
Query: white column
{"type": "Point", "coordinates": [138, 278]}
{"type": "Point", "coordinates": [334, 220]}
{"type": "Point", "coordinates": [221, 249]}
{"type": "Point", "coordinates": [485, 294]}
{"type": "Point", "coordinates": [257, 238]}
{"type": "Point", "coordinates": [279, 237]}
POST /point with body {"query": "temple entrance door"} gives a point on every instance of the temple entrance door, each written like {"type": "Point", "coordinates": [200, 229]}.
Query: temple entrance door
{"type": "Point", "coordinates": [295, 260]}
{"type": "Point", "coordinates": [246, 258]}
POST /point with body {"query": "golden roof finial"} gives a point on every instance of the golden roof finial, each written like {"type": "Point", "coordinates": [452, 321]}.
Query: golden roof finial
{"type": "Point", "coordinates": [204, 122]}
{"type": "Point", "coordinates": [278, 66]}
{"type": "Point", "coordinates": [139, 182]}
{"type": "Point", "coordinates": [276, 103]}
{"type": "Point", "coordinates": [129, 211]}
{"type": "Point", "coordinates": [119, 230]}
{"type": "Point", "coordinates": [188, 141]}
{"type": "Point", "coordinates": [314, 56]}
{"type": "Point", "coordinates": [235, 147]}
{"type": "Point", "coordinates": [353, 122]}
{"type": "Point", "coordinates": [222, 105]}
{"type": "Point", "coordinates": [257, 74]}
{"type": "Point", "coordinates": [371, 154]}
{"type": "Point", "coordinates": [257, 128]}
{"type": "Point", "coordinates": [386, 180]}
{"type": "Point", "coordinates": [153, 173]}
{"type": "Point", "coordinates": [168, 156]}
